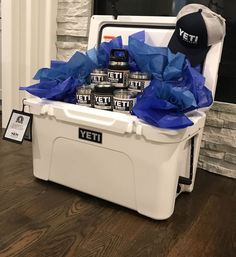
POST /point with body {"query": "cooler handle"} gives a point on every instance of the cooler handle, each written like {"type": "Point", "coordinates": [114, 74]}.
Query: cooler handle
{"type": "Point", "coordinates": [94, 120]}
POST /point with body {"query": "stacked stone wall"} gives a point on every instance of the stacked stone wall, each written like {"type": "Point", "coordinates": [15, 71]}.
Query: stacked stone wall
{"type": "Point", "coordinates": [73, 23]}
{"type": "Point", "coordinates": [218, 150]}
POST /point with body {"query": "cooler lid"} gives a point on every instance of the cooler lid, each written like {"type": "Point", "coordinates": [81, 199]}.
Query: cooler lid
{"type": "Point", "coordinates": [158, 33]}
{"type": "Point", "coordinates": [111, 121]}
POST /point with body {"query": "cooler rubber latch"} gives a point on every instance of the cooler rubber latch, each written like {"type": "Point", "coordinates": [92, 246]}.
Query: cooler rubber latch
{"type": "Point", "coordinates": [184, 180]}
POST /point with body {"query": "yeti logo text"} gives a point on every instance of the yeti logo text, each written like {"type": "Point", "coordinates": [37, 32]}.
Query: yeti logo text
{"type": "Point", "coordinates": [115, 75]}
{"type": "Point", "coordinates": [122, 104]}
{"type": "Point", "coordinates": [95, 78]}
{"type": "Point", "coordinates": [83, 98]}
{"type": "Point", "coordinates": [136, 84]}
{"type": "Point", "coordinates": [187, 37]}
{"type": "Point", "coordinates": [103, 99]}
{"type": "Point", "coordinates": [90, 135]}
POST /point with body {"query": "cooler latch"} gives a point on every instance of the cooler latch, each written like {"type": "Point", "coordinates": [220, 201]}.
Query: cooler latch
{"type": "Point", "coordinates": [184, 180]}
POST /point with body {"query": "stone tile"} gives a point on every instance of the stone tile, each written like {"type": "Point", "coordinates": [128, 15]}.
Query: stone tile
{"type": "Point", "coordinates": [218, 162]}
{"type": "Point", "coordinates": [230, 125]}
{"type": "Point", "coordinates": [231, 158]}
{"type": "Point", "coordinates": [213, 154]}
{"type": "Point", "coordinates": [224, 107]}
{"type": "Point", "coordinates": [223, 132]}
{"type": "Point", "coordinates": [214, 122]}
{"type": "Point", "coordinates": [65, 55]}
{"type": "Point", "coordinates": [214, 168]}
{"type": "Point", "coordinates": [219, 139]}
{"type": "Point", "coordinates": [84, 19]}
{"type": "Point", "coordinates": [227, 116]}
{"type": "Point", "coordinates": [219, 147]}
{"type": "Point", "coordinates": [81, 23]}
{"type": "Point", "coordinates": [72, 45]}
{"type": "Point", "coordinates": [212, 114]}
{"type": "Point", "coordinates": [73, 11]}
{"type": "Point", "coordinates": [68, 38]}
{"type": "Point", "coordinates": [75, 33]}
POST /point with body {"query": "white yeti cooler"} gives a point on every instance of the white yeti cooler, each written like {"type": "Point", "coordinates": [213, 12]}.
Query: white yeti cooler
{"type": "Point", "coordinates": [116, 156]}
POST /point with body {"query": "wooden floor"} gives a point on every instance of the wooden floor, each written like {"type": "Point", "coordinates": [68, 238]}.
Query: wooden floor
{"type": "Point", "coordinates": [40, 218]}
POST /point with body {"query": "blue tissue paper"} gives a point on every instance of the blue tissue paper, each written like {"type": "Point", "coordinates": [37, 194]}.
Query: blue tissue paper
{"type": "Point", "coordinates": [176, 88]}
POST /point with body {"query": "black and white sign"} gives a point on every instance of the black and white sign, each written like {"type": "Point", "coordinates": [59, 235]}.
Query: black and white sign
{"type": "Point", "coordinates": [18, 127]}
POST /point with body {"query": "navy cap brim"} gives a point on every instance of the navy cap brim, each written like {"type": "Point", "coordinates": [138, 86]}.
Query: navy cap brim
{"type": "Point", "coordinates": [196, 56]}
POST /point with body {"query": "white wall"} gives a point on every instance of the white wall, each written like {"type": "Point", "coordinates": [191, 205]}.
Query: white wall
{"type": "Point", "coordinates": [28, 43]}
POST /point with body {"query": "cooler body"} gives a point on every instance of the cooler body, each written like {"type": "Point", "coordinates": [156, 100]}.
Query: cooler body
{"type": "Point", "coordinates": [113, 156]}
